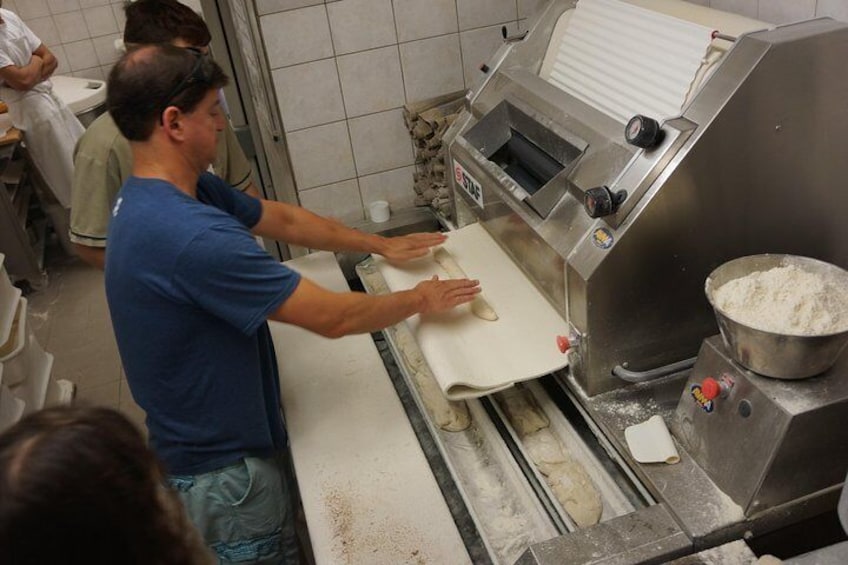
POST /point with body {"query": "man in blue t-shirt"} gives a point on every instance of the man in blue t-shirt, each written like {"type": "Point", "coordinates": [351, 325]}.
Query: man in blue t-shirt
{"type": "Point", "coordinates": [190, 293]}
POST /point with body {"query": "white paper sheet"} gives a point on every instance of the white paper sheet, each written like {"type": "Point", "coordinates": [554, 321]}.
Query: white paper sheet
{"type": "Point", "coordinates": [471, 357]}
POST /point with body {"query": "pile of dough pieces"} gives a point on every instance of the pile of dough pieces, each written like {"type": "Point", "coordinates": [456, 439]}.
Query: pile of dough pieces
{"type": "Point", "coordinates": [566, 477]}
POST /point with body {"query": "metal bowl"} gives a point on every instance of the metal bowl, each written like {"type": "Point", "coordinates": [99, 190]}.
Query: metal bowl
{"type": "Point", "coordinates": [772, 354]}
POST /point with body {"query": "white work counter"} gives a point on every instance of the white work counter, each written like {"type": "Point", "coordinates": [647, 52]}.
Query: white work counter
{"type": "Point", "coordinates": [368, 492]}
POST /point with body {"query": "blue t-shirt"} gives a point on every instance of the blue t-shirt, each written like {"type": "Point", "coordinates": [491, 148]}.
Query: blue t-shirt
{"type": "Point", "coordinates": [189, 292]}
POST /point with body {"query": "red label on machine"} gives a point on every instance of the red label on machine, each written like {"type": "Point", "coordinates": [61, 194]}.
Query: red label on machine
{"type": "Point", "coordinates": [468, 183]}
{"type": "Point", "coordinates": [701, 399]}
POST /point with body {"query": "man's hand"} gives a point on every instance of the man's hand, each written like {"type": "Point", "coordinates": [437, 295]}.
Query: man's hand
{"type": "Point", "coordinates": [439, 296]}
{"type": "Point", "coordinates": [412, 246]}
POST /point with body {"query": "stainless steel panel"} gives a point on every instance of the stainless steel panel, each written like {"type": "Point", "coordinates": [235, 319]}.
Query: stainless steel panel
{"type": "Point", "coordinates": [769, 441]}
{"type": "Point", "coordinates": [649, 535]}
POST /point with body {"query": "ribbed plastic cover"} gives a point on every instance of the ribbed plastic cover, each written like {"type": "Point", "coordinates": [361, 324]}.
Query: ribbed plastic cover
{"type": "Point", "coordinates": [626, 60]}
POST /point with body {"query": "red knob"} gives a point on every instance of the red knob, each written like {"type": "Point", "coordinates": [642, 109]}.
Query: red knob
{"type": "Point", "coordinates": [563, 343]}
{"type": "Point", "coordinates": [711, 388]}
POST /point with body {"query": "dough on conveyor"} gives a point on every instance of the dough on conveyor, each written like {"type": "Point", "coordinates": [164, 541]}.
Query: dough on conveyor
{"type": "Point", "coordinates": [522, 411]}
{"type": "Point", "coordinates": [479, 306]}
{"type": "Point", "coordinates": [567, 478]}
{"type": "Point", "coordinates": [451, 416]}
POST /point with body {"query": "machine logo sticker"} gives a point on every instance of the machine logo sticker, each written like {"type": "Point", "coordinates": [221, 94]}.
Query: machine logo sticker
{"type": "Point", "coordinates": [603, 238]}
{"type": "Point", "coordinates": [468, 183]}
{"type": "Point", "coordinates": [700, 399]}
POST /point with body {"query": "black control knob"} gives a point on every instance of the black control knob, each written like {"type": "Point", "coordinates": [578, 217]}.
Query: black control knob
{"type": "Point", "coordinates": [643, 132]}
{"type": "Point", "coordinates": [601, 201]}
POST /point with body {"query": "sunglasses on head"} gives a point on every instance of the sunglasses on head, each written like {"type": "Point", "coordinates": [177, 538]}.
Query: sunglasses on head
{"type": "Point", "coordinates": [201, 72]}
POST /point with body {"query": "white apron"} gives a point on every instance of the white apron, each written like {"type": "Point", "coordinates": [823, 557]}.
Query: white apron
{"type": "Point", "coordinates": [51, 133]}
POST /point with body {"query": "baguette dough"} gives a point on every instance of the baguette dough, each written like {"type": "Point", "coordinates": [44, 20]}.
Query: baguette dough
{"type": "Point", "coordinates": [567, 478]}
{"type": "Point", "coordinates": [451, 416]}
{"type": "Point", "coordinates": [479, 306]}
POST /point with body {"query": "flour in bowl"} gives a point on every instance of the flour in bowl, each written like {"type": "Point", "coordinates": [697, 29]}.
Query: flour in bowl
{"type": "Point", "coordinates": [786, 300]}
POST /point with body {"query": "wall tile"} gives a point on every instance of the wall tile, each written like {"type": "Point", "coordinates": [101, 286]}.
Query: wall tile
{"type": "Point", "coordinates": [380, 142]}
{"type": "Point", "coordinates": [120, 15]}
{"type": "Point", "coordinates": [480, 13]}
{"type": "Point", "coordinates": [529, 8]}
{"type": "Point", "coordinates": [837, 9]}
{"type": "Point", "coordinates": [45, 29]}
{"type": "Point", "coordinates": [478, 46]}
{"type": "Point", "coordinates": [100, 20]}
{"type": "Point", "coordinates": [418, 20]}
{"type": "Point", "coordinates": [309, 94]}
{"type": "Point", "coordinates": [361, 24]}
{"type": "Point", "coordinates": [81, 55]}
{"type": "Point", "coordinates": [63, 67]}
{"type": "Point", "coordinates": [321, 155]}
{"type": "Point", "coordinates": [431, 67]}
{"type": "Point", "coordinates": [296, 36]}
{"type": "Point", "coordinates": [371, 81]}
{"type": "Point", "coordinates": [32, 9]}
{"type": "Point", "coordinates": [62, 6]}
{"type": "Point", "coordinates": [92, 3]}
{"type": "Point", "coordinates": [340, 200]}
{"type": "Point", "coordinates": [786, 12]}
{"type": "Point", "coordinates": [699, 2]}
{"type": "Point", "coordinates": [270, 6]}
{"type": "Point", "coordinates": [71, 26]}
{"type": "Point", "coordinates": [104, 46]}
{"type": "Point", "coordinates": [742, 7]}
{"type": "Point", "coordinates": [395, 187]}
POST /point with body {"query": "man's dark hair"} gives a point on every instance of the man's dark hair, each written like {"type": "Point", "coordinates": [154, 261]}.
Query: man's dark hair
{"type": "Point", "coordinates": [79, 485]}
{"type": "Point", "coordinates": [163, 21]}
{"type": "Point", "coordinates": [144, 82]}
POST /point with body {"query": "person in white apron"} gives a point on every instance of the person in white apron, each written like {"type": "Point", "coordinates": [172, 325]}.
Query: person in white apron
{"type": "Point", "coordinates": [51, 129]}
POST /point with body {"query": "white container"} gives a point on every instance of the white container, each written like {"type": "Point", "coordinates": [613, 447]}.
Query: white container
{"type": "Point", "coordinates": [27, 371]}
{"type": "Point", "coordinates": [11, 407]}
{"type": "Point", "coordinates": [378, 211]}
{"type": "Point", "coordinates": [86, 98]}
{"type": "Point", "coordinates": [17, 336]}
{"type": "Point", "coordinates": [9, 297]}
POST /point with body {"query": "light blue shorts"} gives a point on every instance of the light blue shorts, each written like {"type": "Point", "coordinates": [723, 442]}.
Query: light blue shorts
{"type": "Point", "coordinates": [244, 511]}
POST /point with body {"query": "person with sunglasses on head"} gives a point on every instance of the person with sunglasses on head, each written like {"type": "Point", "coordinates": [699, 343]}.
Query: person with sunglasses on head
{"type": "Point", "coordinates": [102, 158]}
{"type": "Point", "coordinates": [79, 485]}
{"type": "Point", "coordinates": [50, 128]}
{"type": "Point", "coordinates": [190, 294]}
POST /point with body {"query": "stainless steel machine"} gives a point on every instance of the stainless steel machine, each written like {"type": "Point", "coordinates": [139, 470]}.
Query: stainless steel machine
{"type": "Point", "coordinates": [618, 219]}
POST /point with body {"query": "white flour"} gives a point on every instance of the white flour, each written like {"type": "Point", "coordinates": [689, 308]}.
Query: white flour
{"type": "Point", "coordinates": [786, 300]}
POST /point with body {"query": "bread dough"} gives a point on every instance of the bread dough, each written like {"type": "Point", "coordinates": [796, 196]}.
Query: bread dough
{"type": "Point", "coordinates": [479, 306]}
{"type": "Point", "coordinates": [451, 416]}
{"type": "Point", "coordinates": [574, 489]}
{"type": "Point", "coordinates": [522, 411]}
{"type": "Point", "coordinates": [567, 478]}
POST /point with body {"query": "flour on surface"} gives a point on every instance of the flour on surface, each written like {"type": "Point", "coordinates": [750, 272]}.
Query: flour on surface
{"type": "Point", "coordinates": [786, 300]}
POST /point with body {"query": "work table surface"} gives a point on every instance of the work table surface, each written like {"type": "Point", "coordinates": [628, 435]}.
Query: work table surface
{"type": "Point", "coordinates": [368, 492]}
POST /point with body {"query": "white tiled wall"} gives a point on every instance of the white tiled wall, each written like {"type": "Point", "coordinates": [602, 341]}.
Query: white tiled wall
{"type": "Point", "coordinates": [343, 70]}
{"type": "Point", "coordinates": [81, 33]}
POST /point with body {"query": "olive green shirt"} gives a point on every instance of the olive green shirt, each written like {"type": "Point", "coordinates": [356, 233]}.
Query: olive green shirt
{"type": "Point", "coordinates": [103, 161]}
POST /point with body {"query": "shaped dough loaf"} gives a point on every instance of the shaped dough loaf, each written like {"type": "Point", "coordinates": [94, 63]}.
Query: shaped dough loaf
{"type": "Point", "coordinates": [479, 306]}
{"type": "Point", "coordinates": [567, 478]}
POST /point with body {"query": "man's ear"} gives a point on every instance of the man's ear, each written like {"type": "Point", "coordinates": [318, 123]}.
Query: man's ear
{"type": "Point", "coordinates": [172, 121]}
